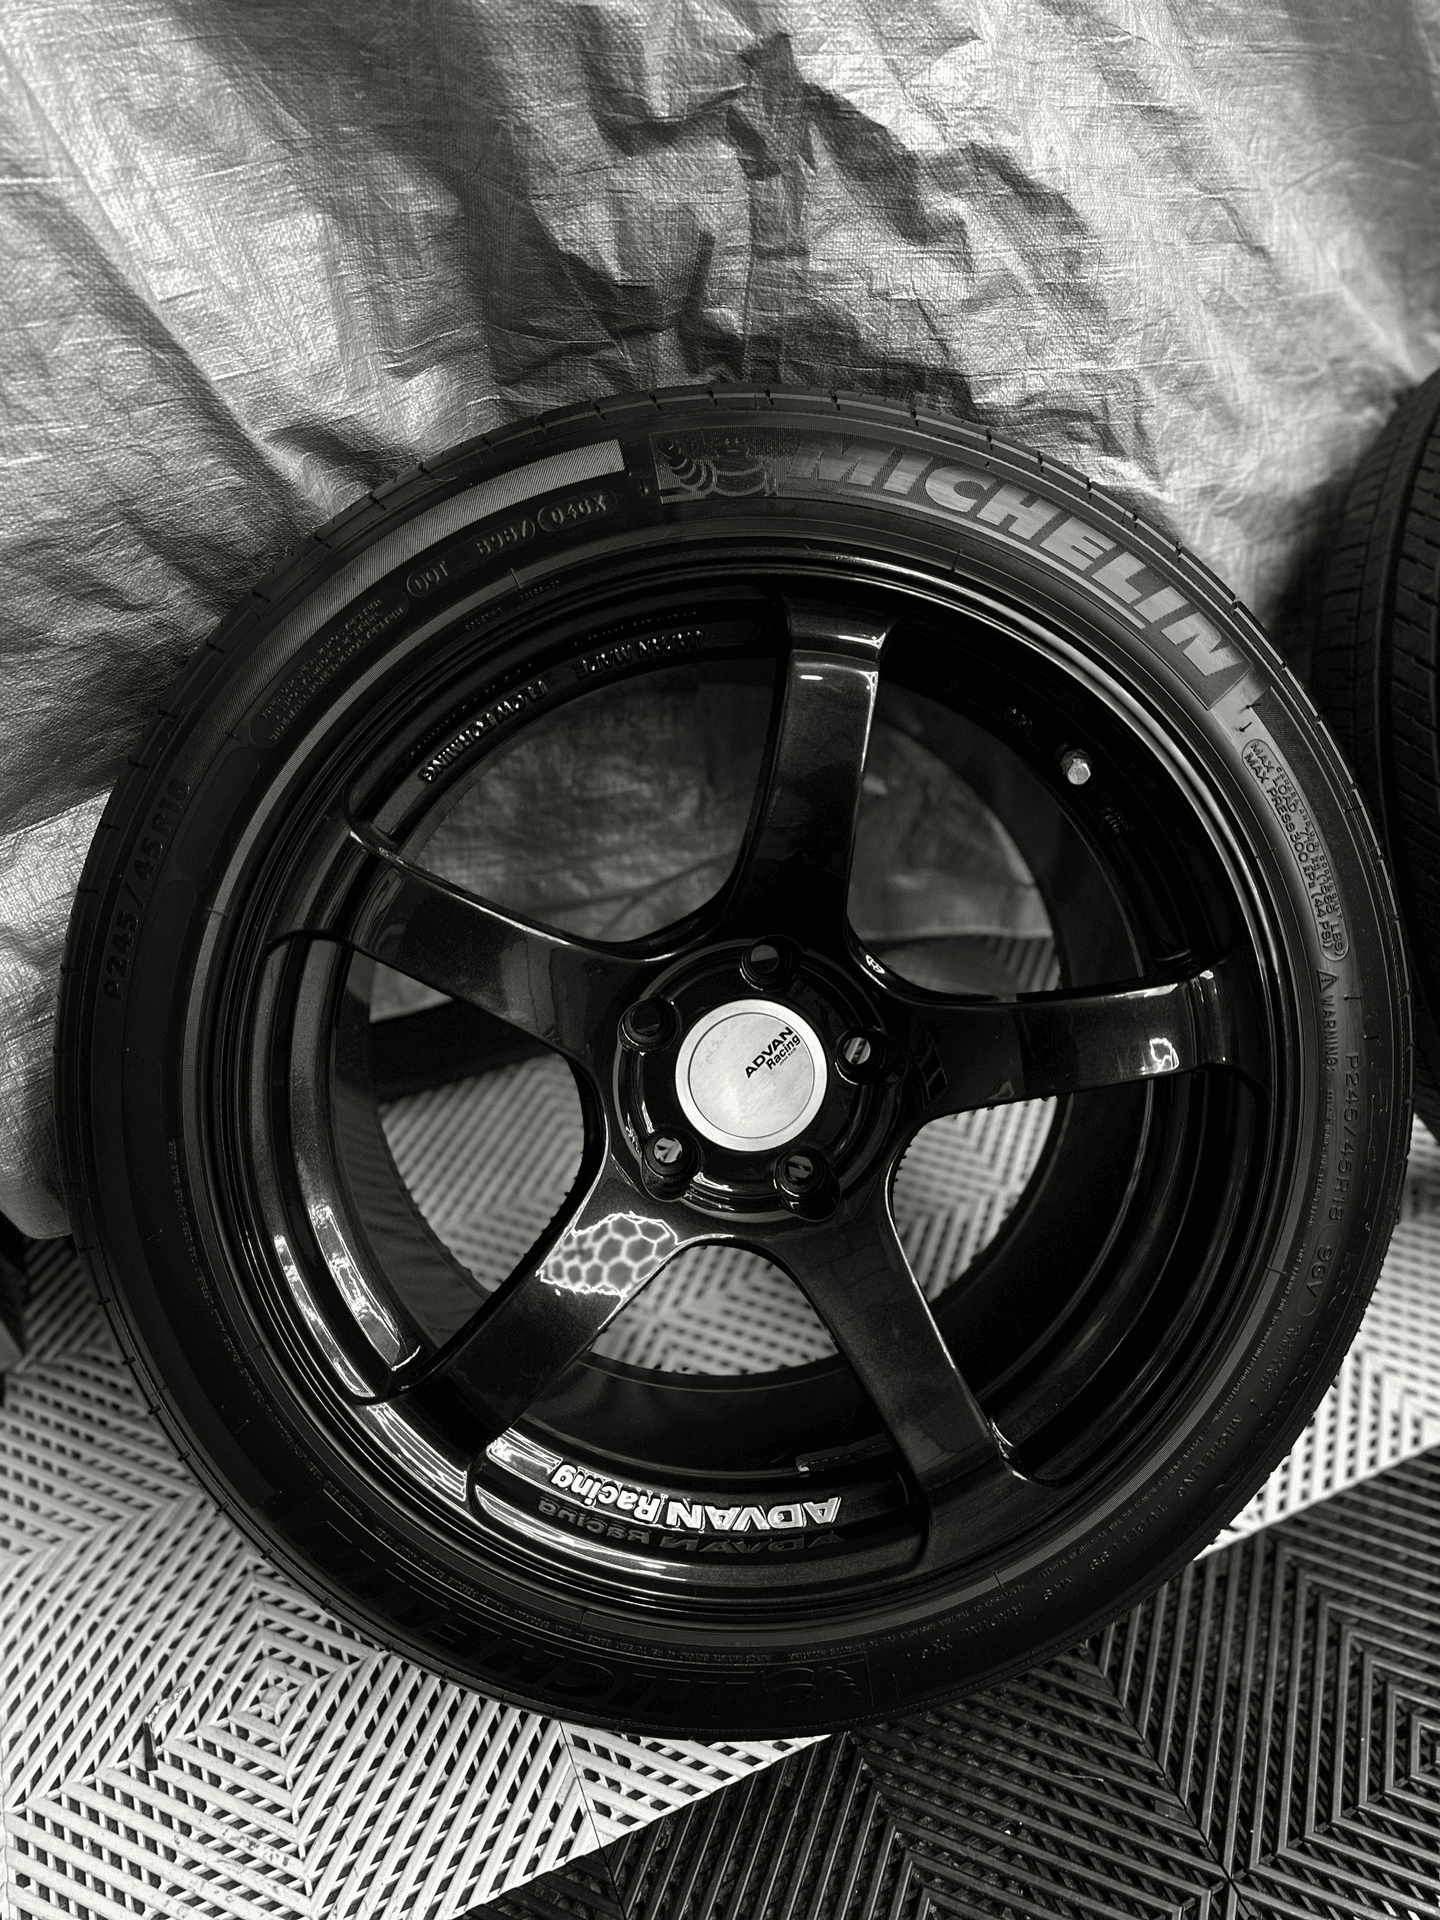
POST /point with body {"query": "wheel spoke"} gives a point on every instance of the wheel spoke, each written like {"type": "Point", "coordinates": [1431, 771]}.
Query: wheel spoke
{"type": "Point", "coordinates": [546, 1314]}
{"type": "Point", "coordinates": [794, 870]}
{"type": "Point", "coordinates": [559, 990]}
{"type": "Point", "coordinates": [854, 1272]}
{"type": "Point", "coordinates": [987, 1053]}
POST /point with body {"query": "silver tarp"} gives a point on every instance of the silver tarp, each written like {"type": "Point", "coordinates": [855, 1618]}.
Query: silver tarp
{"type": "Point", "coordinates": [256, 257]}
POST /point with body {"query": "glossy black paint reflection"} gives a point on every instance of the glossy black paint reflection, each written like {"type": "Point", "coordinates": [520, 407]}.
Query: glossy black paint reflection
{"type": "Point", "coordinates": [548, 1312]}
{"type": "Point", "coordinates": [560, 991]}
{"type": "Point", "coordinates": [978, 1054]}
{"type": "Point", "coordinates": [854, 1272]}
{"type": "Point", "coordinates": [793, 875]}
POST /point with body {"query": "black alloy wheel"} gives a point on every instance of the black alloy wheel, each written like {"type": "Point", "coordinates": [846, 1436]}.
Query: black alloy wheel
{"type": "Point", "coordinates": [968, 1472]}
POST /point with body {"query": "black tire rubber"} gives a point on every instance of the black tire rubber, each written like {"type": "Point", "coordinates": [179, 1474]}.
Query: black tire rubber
{"type": "Point", "coordinates": [1375, 667]}
{"type": "Point", "coordinates": [164, 891]}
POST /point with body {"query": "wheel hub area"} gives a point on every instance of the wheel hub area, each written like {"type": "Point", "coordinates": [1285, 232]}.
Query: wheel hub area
{"type": "Point", "coordinates": [719, 1083]}
{"type": "Point", "coordinates": [751, 1075]}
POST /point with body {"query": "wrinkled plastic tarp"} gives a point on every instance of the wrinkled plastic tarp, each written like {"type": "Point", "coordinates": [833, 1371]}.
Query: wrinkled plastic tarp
{"type": "Point", "coordinates": [255, 258]}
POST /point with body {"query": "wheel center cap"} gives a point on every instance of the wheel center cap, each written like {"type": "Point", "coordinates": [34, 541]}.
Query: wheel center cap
{"type": "Point", "coordinates": [751, 1075]}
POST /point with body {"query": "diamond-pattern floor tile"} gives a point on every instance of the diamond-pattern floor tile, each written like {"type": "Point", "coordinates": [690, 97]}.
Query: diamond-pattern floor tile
{"type": "Point", "coordinates": [79, 1453]}
{"type": "Point", "coordinates": [1290, 1689]}
{"type": "Point", "coordinates": [183, 1730]}
{"type": "Point", "coordinates": [1261, 1737]}
{"type": "Point", "coordinates": [185, 1733]}
{"type": "Point", "coordinates": [629, 1782]}
{"type": "Point", "coordinates": [254, 1746]}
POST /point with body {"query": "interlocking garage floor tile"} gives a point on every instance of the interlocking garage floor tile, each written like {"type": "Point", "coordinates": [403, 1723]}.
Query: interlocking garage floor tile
{"type": "Point", "coordinates": [181, 1732]}
{"type": "Point", "coordinates": [1260, 1738]}
{"type": "Point", "coordinates": [185, 1732]}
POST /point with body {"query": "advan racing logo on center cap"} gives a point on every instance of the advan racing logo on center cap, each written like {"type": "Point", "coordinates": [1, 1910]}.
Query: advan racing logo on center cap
{"type": "Point", "coordinates": [784, 1044]}
{"type": "Point", "coordinates": [690, 1516]}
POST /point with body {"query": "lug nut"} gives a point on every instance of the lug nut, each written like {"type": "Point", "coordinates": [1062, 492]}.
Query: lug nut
{"type": "Point", "coordinates": [646, 1025]}
{"type": "Point", "coordinates": [801, 1172]}
{"type": "Point", "coordinates": [806, 1183]}
{"type": "Point", "coordinates": [766, 964]}
{"type": "Point", "coordinates": [864, 1057]}
{"type": "Point", "coordinates": [1075, 765]}
{"type": "Point", "coordinates": [670, 1159]}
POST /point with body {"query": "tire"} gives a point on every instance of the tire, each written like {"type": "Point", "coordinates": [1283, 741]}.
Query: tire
{"type": "Point", "coordinates": [970, 1478]}
{"type": "Point", "coordinates": [1375, 679]}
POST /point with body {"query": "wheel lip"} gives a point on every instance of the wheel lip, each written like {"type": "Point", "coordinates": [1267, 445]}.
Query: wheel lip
{"type": "Point", "coordinates": [1051, 638]}
{"type": "Point", "coordinates": [939, 423]}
